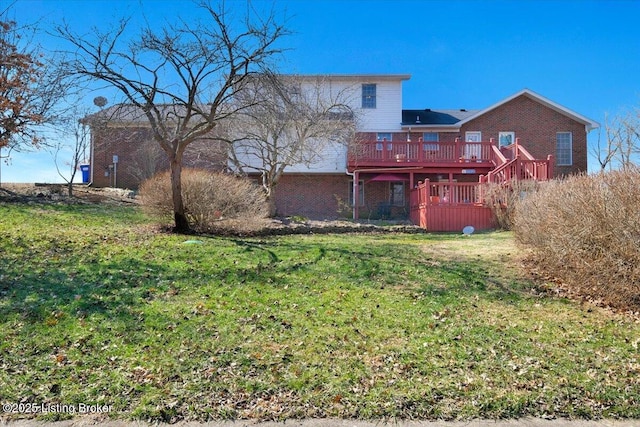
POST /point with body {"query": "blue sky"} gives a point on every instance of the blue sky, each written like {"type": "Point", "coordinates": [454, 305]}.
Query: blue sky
{"type": "Point", "coordinates": [584, 55]}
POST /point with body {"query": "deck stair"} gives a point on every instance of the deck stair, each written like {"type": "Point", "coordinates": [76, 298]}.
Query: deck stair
{"type": "Point", "coordinates": [514, 162]}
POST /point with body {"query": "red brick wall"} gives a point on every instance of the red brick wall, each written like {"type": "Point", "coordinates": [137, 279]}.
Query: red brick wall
{"type": "Point", "coordinates": [134, 146]}
{"type": "Point", "coordinates": [327, 197]}
{"type": "Point", "coordinates": [536, 125]}
{"type": "Point", "coordinates": [313, 196]}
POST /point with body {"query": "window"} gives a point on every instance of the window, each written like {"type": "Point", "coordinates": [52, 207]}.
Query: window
{"type": "Point", "coordinates": [564, 148]}
{"type": "Point", "coordinates": [506, 138]}
{"type": "Point", "coordinates": [397, 193]}
{"type": "Point", "coordinates": [368, 95]}
{"type": "Point", "coordinates": [473, 148]}
{"type": "Point", "coordinates": [360, 192]}
{"type": "Point", "coordinates": [381, 138]}
{"type": "Point", "coordinates": [430, 141]}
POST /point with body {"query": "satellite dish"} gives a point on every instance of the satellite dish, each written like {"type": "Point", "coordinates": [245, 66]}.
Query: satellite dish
{"type": "Point", "coordinates": [468, 230]}
{"type": "Point", "coordinates": [100, 101]}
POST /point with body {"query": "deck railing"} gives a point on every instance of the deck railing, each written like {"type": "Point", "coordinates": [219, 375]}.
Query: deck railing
{"type": "Point", "coordinates": [439, 206]}
{"type": "Point", "coordinates": [448, 193]}
{"type": "Point", "coordinates": [518, 163]}
{"type": "Point", "coordinates": [386, 152]}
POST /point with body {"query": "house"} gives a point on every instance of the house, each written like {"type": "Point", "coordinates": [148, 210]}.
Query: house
{"type": "Point", "coordinates": [123, 152]}
{"type": "Point", "coordinates": [418, 164]}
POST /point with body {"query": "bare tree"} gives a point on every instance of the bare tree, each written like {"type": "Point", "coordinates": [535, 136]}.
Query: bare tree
{"type": "Point", "coordinates": [623, 138]}
{"type": "Point", "coordinates": [292, 120]}
{"type": "Point", "coordinates": [76, 140]}
{"type": "Point", "coordinates": [606, 153]}
{"type": "Point", "coordinates": [182, 77]}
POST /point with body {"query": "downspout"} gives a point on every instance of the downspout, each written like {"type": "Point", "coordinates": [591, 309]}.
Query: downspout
{"type": "Point", "coordinates": [355, 193]}
{"type": "Point", "coordinates": [92, 160]}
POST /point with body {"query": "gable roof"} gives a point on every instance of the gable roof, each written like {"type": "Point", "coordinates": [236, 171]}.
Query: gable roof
{"type": "Point", "coordinates": [589, 124]}
{"type": "Point", "coordinates": [126, 113]}
{"type": "Point", "coordinates": [454, 119]}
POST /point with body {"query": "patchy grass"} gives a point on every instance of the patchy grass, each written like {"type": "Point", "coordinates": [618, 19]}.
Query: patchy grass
{"type": "Point", "coordinates": [95, 308]}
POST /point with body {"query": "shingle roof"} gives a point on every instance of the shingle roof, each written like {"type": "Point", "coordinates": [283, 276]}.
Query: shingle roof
{"type": "Point", "coordinates": [434, 117]}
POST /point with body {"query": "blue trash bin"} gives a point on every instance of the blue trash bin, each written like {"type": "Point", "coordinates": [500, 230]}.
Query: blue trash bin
{"type": "Point", "coordinates": [85, 169]}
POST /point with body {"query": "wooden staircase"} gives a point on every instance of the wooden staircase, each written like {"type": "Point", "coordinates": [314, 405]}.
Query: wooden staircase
{"type": "Point", "coordinates": [450, 206]}
{"type": "Point", "coordinates": [514, 162]}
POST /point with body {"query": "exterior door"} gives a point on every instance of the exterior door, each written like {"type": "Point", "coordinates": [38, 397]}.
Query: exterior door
{"type": "Point", "coordinates": [473, 146]}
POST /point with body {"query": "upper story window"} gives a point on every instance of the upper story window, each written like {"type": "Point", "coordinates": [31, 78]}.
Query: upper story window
{"type": "Point", "coordinates": [564, 148]}
{"type": "Point", "coordinates": [430, 141]}
{"type": "Point", "coordinates": [384, 138]}
{"type": "Point", "coordinates": [369, 95]}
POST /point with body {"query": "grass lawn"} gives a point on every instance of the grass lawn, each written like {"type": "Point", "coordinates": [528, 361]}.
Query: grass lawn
{"type": "Point", "coordinates": [98, 308]}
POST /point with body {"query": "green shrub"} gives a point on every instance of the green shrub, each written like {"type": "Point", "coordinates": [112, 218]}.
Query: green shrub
{"type": "Point", "coordinates": [212, 199]}
{"type": "Point", "coordinates": [585, 231]}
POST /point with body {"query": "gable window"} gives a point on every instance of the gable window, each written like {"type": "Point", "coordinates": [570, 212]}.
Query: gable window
{"type": "Point", "coordinates": [564, 146]}
{"type": "Point", "coordinates": [397, 193]}
{"type": "Point", "coordinates": [506, 138]}
{"type": "Point", "coordinates": [369, 95]}
{"type": "Point", "coordinates": [381, 138]}
{"type": "Point", "coordinates": [430, 141]}
{"type": "Point", "coordinates": [360, 192]}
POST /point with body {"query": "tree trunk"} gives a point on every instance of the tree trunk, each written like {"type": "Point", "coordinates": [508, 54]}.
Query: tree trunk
{"type": "Point", "coordinates": [179, 215]}
{"type": "Point", "coordinates": [271, 203]}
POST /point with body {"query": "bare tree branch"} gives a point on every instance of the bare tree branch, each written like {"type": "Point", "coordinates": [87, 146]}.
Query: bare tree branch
{"type": "Point", "coordinates": [76, 139]}
{"type": "Point", "coordinates": [195, 68]}
{"type": "Point", "coordinates": [287, 121]}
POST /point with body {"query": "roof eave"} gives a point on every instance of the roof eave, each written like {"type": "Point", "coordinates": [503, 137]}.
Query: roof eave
{"type": "Point", "coordinates": [431, 127]}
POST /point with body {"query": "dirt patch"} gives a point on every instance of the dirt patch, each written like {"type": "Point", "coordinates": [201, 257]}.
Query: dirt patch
{"type": "Point", "coordinates": [285, 226]}
{"type": "Point", "coordinates": [58, 193]}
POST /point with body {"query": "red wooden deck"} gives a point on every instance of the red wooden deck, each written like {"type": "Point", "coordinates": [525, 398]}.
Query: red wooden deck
{"type": "Point", "coordinates": [420, 154]}
{"type": "Point", "coordinates": [450, 207]}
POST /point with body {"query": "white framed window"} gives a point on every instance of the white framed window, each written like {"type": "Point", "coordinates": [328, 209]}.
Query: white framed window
{"type": "Point", "coordinates": [506, 138]}
{"type": "Point", "coordinates": [430, 141]}
{"type": "Point", "coordinates": [564, 148]}
{"type": "Point", "coordinates": [473, 146]}
{"type": "Point", "coordinates": [397, 193]}
{"type": "Point", "coordinates": [475, 136]}
{"type": "Point", "coordinates": [382, 138]}
{"type": "Point", "coordinates": [360, 192]}
{"type": "Point", "coordinates": [369, 95]}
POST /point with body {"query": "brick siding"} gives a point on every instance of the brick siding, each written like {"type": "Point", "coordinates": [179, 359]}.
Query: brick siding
{"type": "Point", "coordinates": [313, 196]}
{"type": "Point", "coordinates": [536, 125]}
{"type": "Point", "coordinates": [140, 155]}
{"type": "Point", "coordinates": [327, 197]}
